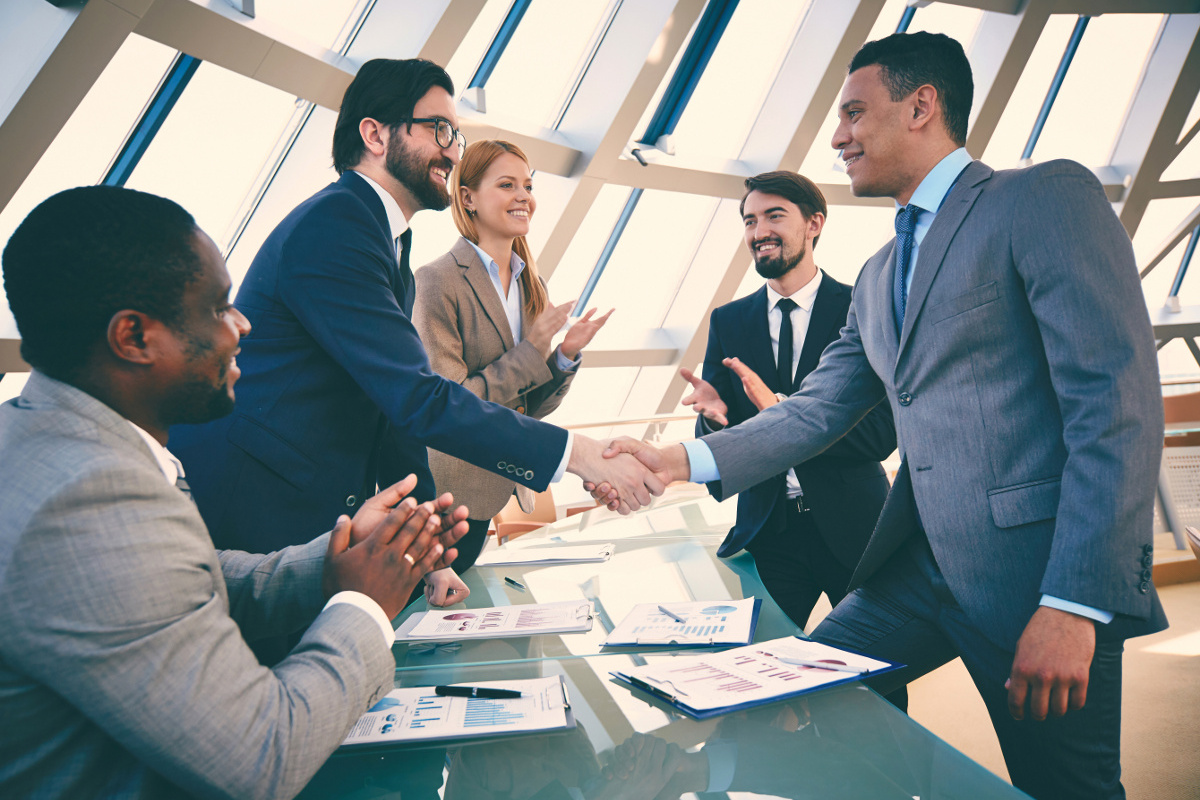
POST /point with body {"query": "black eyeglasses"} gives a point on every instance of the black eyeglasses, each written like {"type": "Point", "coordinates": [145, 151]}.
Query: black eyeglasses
{"type": "Point", "coordinates": [444, 133]}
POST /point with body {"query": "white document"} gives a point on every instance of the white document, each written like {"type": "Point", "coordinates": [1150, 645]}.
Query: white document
{"type": "Point", "coordinates": [546, 555]}
{"type": "Point", "coordinates": [751, 675]}
{"type": "Point", "coordinates": [704, 623]}
{"type": "Point", "coordinates": [418, 714]}
{"type": "Point", "coordinates": [494, 623]}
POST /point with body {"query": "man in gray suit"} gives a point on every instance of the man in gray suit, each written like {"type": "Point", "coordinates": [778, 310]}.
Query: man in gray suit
{"type": "Point", "coordinates": [124, 667]}
{"type": "Point", "coordinates": [1006, 328]}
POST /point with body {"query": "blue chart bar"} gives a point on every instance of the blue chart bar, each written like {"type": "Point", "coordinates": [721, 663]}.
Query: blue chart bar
{"type": "Point", "coordinates": [702, 630]}
{"type": "Point", "coordinates": [429, 710]}
{"type": "Point", "coordinates": [483, 713]}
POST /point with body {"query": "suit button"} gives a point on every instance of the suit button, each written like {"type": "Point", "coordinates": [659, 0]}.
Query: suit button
{"type": "Point", "coordinates": [1145, 587]}
{"type": "Point", "coordinates": [1149, 548]}
{"type": "Point", "coordinates": [528, 474]}
{"type": "Point", "coordinates": [905, 398]}
{"type": "Point", "coordinates": [1147, 561]}
{"type": "Point", "coordinates": [520, 409]}
{"type": "Point", "coordinates": [1146, 574]}
{"type": "Point", "coordinates": [511, 469]}
{"type": "Point", "coordinates": [351, 500]}
{"type": "Point", "coordinates": [502, 465]}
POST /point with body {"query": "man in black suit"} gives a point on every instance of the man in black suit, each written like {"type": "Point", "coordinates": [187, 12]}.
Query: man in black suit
{"type": "Point", "coordinates": [808, 527]}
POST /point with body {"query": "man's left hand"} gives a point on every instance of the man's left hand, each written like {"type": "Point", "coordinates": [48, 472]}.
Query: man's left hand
{"type": "Point", "coordinates": [1050, 671]}
{"type": "Point", "coordinates": [755, 389]}
{"type": "Point", "coordinates": [444, 588]}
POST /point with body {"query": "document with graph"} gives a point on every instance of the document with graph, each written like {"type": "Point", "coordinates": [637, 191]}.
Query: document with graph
{"type": "Point", "coordinates": [696, 623]}
{"type": "Point", "coordinates": [717, 683]}
{"type": "Point", "coordinates": [573, 616]}
{"type": "Point", "coordinates": [419, 714]}
{"type": "Point", "coordinates": [579, 554]}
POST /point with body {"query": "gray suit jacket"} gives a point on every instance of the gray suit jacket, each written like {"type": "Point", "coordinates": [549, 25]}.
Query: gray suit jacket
{"type": "Point", "coordinates": [124, 669]}
{"type": "Point", "coordinates": [1024, 387]}
{"type": "Point", "coordinates": [466, 335]}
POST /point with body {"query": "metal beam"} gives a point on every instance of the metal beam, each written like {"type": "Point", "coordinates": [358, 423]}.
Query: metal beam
{"type": "Point", "coordinates": [1182, 230]}
{"type": "Point", "coordinates": [1155, 118]}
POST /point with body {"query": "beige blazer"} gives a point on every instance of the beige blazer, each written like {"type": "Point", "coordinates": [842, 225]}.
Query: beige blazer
{"type": "Point", "coordinates": [465, 331]}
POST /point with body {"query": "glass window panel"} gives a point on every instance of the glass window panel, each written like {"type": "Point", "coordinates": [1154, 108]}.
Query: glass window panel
{"type": "Point", "coordinates": [1187, 163]}
{"type": "Point", "coordinates": [852, 234]}
{"type": "Point", "coordinates": [1175, 362]}
{"type": "Point", "coordinates": [596, 394]}
{"type": "Point", "coordinates": [11, 385]}
{"type": "Point", "coordinates": [571, 274]}
{"type": "Point", "coordinates": [957, 22]}
{"type": "Point", "coordinates": [82, 150]}
{"type": "Point", "coordinates": [466, 58]}
{"type": "Point", "coordinates": [1160, 221]}
{"type": "Point", "coordinates": [730, 93]}
{"type": "Point", "coordinates": [213, 144]}
{"type": "Point", "coordinates": [650, 259]}
{"type": "Point", "coordinates": [1095, 94]}
{"type": "Point", "coordinates": [529, 81]}
{"type": "Point", "coordinates": [317, 21]}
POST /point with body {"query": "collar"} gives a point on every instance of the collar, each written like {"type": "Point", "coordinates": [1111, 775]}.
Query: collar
{"type": "Point", "coordinates": [932, 191]}
{"type": "Point", "coordinates": [804, 297]}
{"type": "Point", "coordinates": [395, 217]}
{"type": "Point", "coordinates": [489, 263]}
{"type": "Point", "coordinates": [168, 463]}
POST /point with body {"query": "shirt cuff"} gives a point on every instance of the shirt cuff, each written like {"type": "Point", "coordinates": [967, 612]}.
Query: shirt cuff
{"type": "Point", "coordinates": [562, 465]}
{"type": "Point", "coordinates": [722, 761]}
{"type": "Point", "coordinates": [701, 461]}
{"type": "Point", "coordinates": [360, 600]}
{"type": "Point", "coordinates": [565, 364]}
{"type": "Point", "coordinates": [1103, 617]}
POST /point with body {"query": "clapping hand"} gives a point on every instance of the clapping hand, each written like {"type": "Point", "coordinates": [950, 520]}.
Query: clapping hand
{"type": "Point", "coordinates": [581, 332]}
{"type": "Point", "coordinates": [375, 510]}
{"type": "Point", "coordinates": [547, 324]}
{"type": "Point", "coordinates": [704, 399]}
{"type": "Point", "coordinates": [756, 390]}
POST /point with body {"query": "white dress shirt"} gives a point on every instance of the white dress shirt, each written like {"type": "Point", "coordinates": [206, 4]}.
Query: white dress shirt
{"type": "Point", "coordinates": [804, 297]}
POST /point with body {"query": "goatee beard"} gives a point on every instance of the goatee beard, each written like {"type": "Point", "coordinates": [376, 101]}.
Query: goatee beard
{"type": "Point", "coordinates": [772, 268]}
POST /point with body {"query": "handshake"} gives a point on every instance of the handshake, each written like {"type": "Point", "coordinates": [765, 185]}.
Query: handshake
{"type": "Point", "coordinates": [624, 473]}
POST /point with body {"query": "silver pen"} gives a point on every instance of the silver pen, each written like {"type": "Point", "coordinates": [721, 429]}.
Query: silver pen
{"type": "Point", "coordinates": [671, 614]}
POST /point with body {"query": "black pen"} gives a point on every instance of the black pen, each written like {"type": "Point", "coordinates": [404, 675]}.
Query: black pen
{"type": "Point", "coordinates": [511, 582]}
{"type": "Point", "coordinates": [474, 691]}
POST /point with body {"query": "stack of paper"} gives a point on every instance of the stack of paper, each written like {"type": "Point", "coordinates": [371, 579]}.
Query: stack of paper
{"type": "Point", "coordinates": [418, 714]}
{"type": "Point", "coordinates": [691, 624]}
{"type": "Point", "coordinates": [506, 556]}
{"type": "Point", "coordinates": [717, 683]}
{"type": "Point", "coordinates": [493, 623]}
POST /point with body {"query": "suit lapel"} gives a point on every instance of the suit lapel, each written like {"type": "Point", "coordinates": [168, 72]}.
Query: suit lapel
{"type": "Point", "coordinates": [760, 357]}
{"type": "Point", "coordinates": [824, 316]}
{"type": "Point", "coordinates": [884, 307]}
{"type": "Point", "coordinates": [937, 241]}
{"type": "Point", "coordinates": [485, 291]}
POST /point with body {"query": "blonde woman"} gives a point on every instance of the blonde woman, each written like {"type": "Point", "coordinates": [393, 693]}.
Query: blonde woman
{"type": "Point", "coordinates": [487, 322]}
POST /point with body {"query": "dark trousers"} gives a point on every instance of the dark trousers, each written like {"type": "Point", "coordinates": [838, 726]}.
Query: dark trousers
{"type": "Point", "coordinates": [796, 566]}
{"type": "Point", "coordinates": [906, 613]}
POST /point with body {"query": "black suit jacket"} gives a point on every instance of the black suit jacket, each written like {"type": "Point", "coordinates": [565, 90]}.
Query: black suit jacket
{"type": "Point", "coordinates": [845, 487]}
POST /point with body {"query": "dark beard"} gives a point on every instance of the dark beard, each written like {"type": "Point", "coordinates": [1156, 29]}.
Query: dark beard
{"type": "Point", "coordinates": [197, 402]}
{"type": "Point", "coordinates": [403, 165]}
{"type": "Point", "coordinates": [772, 268]}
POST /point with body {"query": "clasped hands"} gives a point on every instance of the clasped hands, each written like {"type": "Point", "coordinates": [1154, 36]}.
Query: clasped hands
{"type": "Point", "coordinates": [655, 467]}
{"type": "Point", "coordinates": [391, 544]}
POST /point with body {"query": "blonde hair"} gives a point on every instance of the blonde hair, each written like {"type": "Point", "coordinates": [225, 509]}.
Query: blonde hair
{"type": "Point", "coordinates": [469, 172]}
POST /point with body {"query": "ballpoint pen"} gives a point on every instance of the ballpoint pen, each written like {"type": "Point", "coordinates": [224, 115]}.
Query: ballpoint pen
{"type": "Point", "coordinates": [475, 691]}
{"type": "Point", "coordinates": [800, 662]}
{"type": "Point", "coordinates": [511, 582]}
{"type": "Point", "coordinates": [672, 614]}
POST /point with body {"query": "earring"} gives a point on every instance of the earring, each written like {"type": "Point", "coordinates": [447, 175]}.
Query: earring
{"type": "Point", "coordinates": [471, 213]}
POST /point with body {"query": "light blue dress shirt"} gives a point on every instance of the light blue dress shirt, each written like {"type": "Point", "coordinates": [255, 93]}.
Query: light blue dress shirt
{"type": "Point", "coordinates": [929, 196]}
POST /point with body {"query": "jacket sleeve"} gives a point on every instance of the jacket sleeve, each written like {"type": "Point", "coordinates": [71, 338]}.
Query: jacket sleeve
{"type": "Point", "coordinates": [276, 592]}
{"type": "Point", "coordinates": [131, 602]}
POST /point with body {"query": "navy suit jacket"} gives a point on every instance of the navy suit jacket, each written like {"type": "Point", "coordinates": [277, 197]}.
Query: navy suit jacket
{"type": "Point", "coordinates": [845, 487]}
{"type": "Point", "coordinates": [333, 374]}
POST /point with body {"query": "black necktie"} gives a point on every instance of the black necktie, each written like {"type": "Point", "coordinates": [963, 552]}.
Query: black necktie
{"type": "Point", "coordinates": [406, 276]}
{"type": "Point", "coordinates": [906, 223]}
{"type": "Point", "coordinates": [784, 361]}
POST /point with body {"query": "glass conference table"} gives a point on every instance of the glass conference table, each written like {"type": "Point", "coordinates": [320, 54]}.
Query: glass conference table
{"type": "Point", "coordinates": [843, 742]}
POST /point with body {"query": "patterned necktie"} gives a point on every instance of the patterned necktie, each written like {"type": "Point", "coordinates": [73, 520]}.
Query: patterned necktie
{"type": "Point", "coordinates": [906, 223]}
{"type": "Point", "coordinates": [784, 361]}
{"type": "Point", "coordinates": [404, 248]}
{"type": "Point", "coordinates": [181, 482]}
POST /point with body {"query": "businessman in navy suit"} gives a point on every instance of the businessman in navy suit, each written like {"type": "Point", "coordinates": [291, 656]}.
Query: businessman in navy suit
{"type": "Point", "coordinates": [806, 527]}
{"type": "Point", "coordinates": [336, 388]}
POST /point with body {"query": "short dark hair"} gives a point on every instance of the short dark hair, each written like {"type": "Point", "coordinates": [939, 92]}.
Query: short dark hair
{"type": "Point", "coordinates": [791, 186]}
{"type": "Point", "coordinates": [908, 61]}
{"type": "Point", "coordinates": [387, 90]}
{"type": "Point", "coordinates": [85, 254]}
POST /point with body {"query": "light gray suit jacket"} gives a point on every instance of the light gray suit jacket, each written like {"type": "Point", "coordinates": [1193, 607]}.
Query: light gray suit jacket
{"type": "Point", "coordinates": [124, 669]}
{"type": "Point", "coordinates": [466, 334]}
{"type": "Point", "coordinates": [1025, 390]}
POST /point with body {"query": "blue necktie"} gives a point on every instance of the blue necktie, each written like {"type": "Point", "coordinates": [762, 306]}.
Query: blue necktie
{"type": "Point", "coordinates": [783, 362]}
{"type": "Point", "coordinates": [906, 223]}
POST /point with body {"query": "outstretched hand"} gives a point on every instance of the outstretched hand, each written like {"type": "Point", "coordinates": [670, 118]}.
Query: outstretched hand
{"type": "Point", "coordinates": [667, 465]}
{"type": "Point", "coordinates": [630, 484]}
{"type": "Point", "coordinates": [755, 389]}
{"type": "Point", "coordinates": [581, 333]}
{"type": "Point", "coordinates": [704, 399]}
